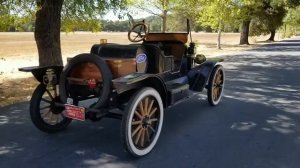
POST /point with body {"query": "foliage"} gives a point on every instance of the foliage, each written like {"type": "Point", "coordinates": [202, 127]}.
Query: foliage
{"type": "Point", "coordinates": [16, 23]}
{"type": "Point", "coordinates": [91, 9]}
{"type": "Point", "coordinates": [160, 8]}
{"type": "Point", "coordinates": [291, 22]}
{"type": "Point", "coordinates": [270, 18]}
{"type": "Point", "coordinates": [115, 26]}
{"type": "Point", "coordinates": [293, 17]}
{"type": "Point", "coordinates": [16, 15]}
{"type": "Point", "coordinates": [156, 7]}
{"type": "Point", "coordinates": [216, 13]}
{"type": "Point", "coordinates": [72, 24]}
{"type": "Point", "coordinates": [123, 26]}
{"type": "Point", "coordinates": [247, 8]}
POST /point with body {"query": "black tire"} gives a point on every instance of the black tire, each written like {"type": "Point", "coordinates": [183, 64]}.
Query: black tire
{"type": "Point", "coordinates": [105, 73]}
{"type": "Point", "coordinates": [138, 121]}
{"type": "Point", "coordinates": [216, 85]}
{"type": "Point", "coordinates": [40, 118]}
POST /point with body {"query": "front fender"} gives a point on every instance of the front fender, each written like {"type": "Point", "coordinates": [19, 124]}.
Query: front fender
{"type": "Point", "coordinates": [199, 75]}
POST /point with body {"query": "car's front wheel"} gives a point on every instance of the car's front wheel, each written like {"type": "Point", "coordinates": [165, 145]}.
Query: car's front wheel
{"type": "Point", "coordinates": [215, 85]}
{"type": "Point", "coordinates": [142, 122]}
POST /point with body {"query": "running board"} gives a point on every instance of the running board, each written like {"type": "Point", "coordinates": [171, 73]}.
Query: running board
{"type": "Point", "coordinates": [177, 92]}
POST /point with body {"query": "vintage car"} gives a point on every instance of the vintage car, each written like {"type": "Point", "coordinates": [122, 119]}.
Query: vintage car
{"type": "Point", "coordinates": [134, 83]}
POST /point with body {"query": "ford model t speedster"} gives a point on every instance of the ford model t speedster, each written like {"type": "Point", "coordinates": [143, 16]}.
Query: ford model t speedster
{"type": "Point", "coordinates": [134, 83]}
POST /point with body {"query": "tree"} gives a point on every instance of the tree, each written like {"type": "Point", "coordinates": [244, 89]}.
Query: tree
{"type": "Point", "coordinates": [292, 22]}
{"type": "Point", "coordinates": [216, 13]}
{"type": "Point", "coordinates": [245, 13]}
{"type": "Point", "coordinates": [159, 8]}
{"type": "Point", "coordinates": [48, 23]}
{"type": "Point", "coordinates": [275, 9]}
{"type": "Point", "coordinates": [48, 20]}
{"type": "Point", "coordinates": [268, 20]}
{"type": "Point", "coordinates": [15, 18]}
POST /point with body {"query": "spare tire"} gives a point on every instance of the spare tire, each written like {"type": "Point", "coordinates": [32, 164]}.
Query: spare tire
{"type": "Point", "coordinates": [106, 75]}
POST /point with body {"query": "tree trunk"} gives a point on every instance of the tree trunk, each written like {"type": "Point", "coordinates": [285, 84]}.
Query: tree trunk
{"type": "Point", "coordinates": [219, 35]}
{"type": "Point", "coordinates": [272, 37]}
{"type": "Point", "coordinates": [47, 32]}
{"type": "Point", "coordinates": [245, 33]}
{"type": "Point", "coordinates": [164, 19]}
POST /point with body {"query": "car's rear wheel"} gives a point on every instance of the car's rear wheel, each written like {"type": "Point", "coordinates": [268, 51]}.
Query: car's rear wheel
{"type": "Point", "coordinates": [215, 85]}
{"type": "Point", "coordinates": [142, 122]}
{"type": "Point", "coordinates": [44, 114]}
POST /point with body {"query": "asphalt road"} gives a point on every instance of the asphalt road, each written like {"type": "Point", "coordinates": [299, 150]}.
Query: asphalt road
{"type": "Point", "coordinates": [257, 125]}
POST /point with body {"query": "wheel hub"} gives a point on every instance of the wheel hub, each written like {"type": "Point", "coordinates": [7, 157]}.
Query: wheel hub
{"type": "Point", "coordinates": [56, 109]}
{"type": "Point", "coordinates": [146, 122]}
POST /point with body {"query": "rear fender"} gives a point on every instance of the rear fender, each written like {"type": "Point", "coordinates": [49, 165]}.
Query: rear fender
{"type": "Point", "coordinates": [44, 74]}
{"type": "Point", "coordinates": [199, 75]}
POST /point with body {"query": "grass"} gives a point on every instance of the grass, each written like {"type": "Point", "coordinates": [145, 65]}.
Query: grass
{"type": "Point", "coordinates": [17, 90]}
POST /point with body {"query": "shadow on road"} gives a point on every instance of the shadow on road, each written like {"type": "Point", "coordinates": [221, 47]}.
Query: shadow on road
{"type": "Point", "coordinates": [256, 125]}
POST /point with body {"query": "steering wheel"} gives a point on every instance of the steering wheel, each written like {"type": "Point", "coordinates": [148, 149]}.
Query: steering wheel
{"type": "Point", "coordinates": [138, 32]}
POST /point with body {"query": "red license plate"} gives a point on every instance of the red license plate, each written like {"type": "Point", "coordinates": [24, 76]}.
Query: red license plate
{"type": "Point", "coordinates": [74, 112]}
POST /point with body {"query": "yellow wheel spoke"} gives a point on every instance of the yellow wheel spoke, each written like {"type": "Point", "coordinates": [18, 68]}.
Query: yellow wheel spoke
{"type": "Point", "coordinates": [214, 94]}
{"type": "Point", "coordinates": [152, 129]}
{"type": "Point", "coordinates": [138, 114]}
{"type": "Point", "coordinates": [138, 136]}
{"type": "Point", "coordinates": [141, 108]}
{"type": "Point", "coordinates": [150, 106]}
{"type": "Point", "coordinates": [152, 112]}
{"type": "Point", "coordinates": [143, 138]}
{"type": "Point", "coordinates": [147, 134]}
{"type": "Point", "coordinates": [136, 130]}
{"type": "Point", "coordinates": [146, 106]}
{"type": "Point", "coordinates": [219, 91]}
{"type": "Point", "coordinates": [153, 120]}
{"type": "Point", "coordinates": [136, 122]}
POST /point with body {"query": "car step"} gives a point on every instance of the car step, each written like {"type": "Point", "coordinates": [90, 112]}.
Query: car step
{"type": "Point", "coordinates": [177, 92]}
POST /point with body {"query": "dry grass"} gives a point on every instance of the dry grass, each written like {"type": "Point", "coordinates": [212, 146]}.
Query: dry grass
{"type": "Point", "coordinates": [18, 90]}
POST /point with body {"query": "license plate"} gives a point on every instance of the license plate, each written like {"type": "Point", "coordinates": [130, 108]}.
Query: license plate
{"type": "Point", "coordinates": [74, 112]}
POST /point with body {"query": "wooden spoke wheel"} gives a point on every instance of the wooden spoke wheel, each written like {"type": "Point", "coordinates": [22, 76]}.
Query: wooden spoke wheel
{"type": "Point", "coordinates": [142, 122]}
{"type": "Point", "coordinates": [44, 114]}
{"type": "Point", "coordinates": [216, 85]}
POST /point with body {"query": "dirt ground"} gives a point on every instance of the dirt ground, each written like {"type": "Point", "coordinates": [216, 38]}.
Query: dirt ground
{"type": "Point", "coordinates": [19, 50]}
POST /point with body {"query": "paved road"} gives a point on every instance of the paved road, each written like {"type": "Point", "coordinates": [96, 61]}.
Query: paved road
{"type": "Point", "coordinates": [256, 125]}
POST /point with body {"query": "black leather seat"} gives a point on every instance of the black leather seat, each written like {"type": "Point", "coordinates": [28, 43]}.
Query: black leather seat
{"type": "Point", "coordinates": [116, 50]}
